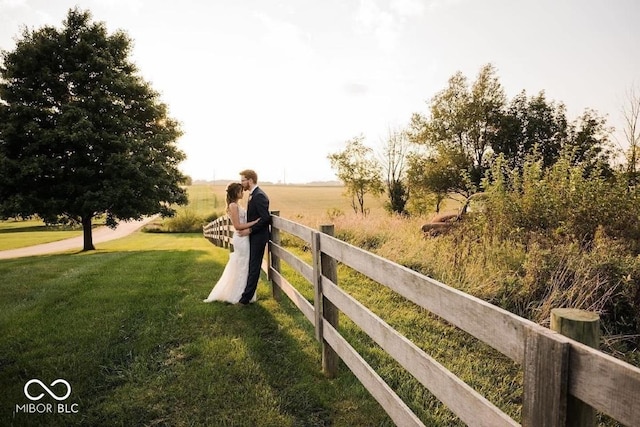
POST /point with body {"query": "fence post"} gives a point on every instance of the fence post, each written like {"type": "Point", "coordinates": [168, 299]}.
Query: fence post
{"type": "Point", "coordinates": [329, 269]}
{"type": "Point", "coordinates": [274, 261]}
{"type": "Point", "coordinates": [582, 326]}
{"type": "Point", "coordinates": [546, 378]}
{"type": "Point", "coordinates": [225, 232]}
{"type": "Point", "coordinates": [230, 234]}
{"type": "Point", "coordinates": [318, 295]}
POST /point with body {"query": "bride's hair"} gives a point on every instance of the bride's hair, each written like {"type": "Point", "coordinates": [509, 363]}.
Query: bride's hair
{"type": "Point", "coordinates": [234, 192]}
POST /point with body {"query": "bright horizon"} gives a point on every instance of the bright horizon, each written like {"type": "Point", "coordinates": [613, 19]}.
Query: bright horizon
{"type": "Point", "coordinates": [278, 85]}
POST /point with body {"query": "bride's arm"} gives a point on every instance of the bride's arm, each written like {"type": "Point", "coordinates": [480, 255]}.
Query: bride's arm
{"type": "Point", "coordinates": [234, 214]}
{"type": "Point", "coordinates": [248, 224]}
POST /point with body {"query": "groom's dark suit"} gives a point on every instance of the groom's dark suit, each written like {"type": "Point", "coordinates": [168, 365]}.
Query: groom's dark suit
{"type": "Point", "coordinates": [258, 207]}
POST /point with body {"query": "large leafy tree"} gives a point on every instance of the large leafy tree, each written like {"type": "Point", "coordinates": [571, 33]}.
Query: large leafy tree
{"type": "Point", "coordinates": [528, 125]}
{"type": "Point", "coordinates": [458, 134]}
{"type": "Point", "coordinates": [464, 119]}
{"type": "Point", "coordinates": [468, 126]}
{"type": "Point", "coordinates": [588, 143]}
{"type": "Point", "coordinates": [360, 172]}
{"type": "Point", "coordinates": [81, 133]}
{"type": "Point", "coordinates": [534, 125]}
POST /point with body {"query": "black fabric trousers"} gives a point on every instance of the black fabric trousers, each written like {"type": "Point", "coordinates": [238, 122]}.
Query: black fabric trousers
{"type": "Point", "coordinates": [257, 244]}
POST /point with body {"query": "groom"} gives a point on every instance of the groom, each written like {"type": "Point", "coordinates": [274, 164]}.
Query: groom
{"type": "Point", "coordinates": [258, 207]}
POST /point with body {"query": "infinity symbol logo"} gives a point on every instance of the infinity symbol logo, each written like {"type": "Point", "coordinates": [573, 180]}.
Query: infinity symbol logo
{"type": "Point", "coordinates": [47, 389]}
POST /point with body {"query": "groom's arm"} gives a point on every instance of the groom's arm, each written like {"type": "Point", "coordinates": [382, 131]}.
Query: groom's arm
{"type": "Point", "coordinates": [261, 202]}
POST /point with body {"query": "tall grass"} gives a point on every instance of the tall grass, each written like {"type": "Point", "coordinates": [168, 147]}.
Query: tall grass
{"type": "Point", "coordinates": [526, 279]}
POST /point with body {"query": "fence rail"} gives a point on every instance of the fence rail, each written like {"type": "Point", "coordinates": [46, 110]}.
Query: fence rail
{"type": "Point", "coordinates": [554, 366]}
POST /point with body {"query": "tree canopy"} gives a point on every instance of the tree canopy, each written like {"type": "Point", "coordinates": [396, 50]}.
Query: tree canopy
{"type": "Point", "coordinates": [470, 125]}
{"type": "Point", "coordinates": [81, 133]}
{"type": "Point", "coordinates": [464, 119]}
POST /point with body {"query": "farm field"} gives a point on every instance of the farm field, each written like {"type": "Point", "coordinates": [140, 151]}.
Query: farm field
{"type": "Point", "coordinates": [293, 201]}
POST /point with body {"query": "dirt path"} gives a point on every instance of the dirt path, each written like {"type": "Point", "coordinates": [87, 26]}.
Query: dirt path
{"type": "Point", "coordinates": [100, 234]}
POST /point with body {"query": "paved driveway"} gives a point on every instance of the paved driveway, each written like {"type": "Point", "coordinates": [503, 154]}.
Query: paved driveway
{"type": "Point", "coordinates": [100, 234]}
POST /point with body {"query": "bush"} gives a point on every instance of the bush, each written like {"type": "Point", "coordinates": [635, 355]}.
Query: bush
{"type": "Point", "coordinates": [565, 202]}
{"type": "Point", "coordinates": [185, 221]}
{"type": "Point", "coordinates": [212, 217]}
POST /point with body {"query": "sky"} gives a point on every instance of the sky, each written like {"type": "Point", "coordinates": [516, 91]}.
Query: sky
{"type": "Point", "coordinates": [278, 85]}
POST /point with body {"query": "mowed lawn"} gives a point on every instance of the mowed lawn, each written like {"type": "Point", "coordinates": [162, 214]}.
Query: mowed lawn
{"type": "Point", "coordinates": [19, 234]}
{"type": "Point", "coordinates": [126, 327]}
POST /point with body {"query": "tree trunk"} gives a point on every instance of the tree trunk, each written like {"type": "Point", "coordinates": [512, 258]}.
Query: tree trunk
{"type": "Point", "coordinates": [88, 237]}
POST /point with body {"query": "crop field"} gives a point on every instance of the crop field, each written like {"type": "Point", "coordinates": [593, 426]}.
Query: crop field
{"type": "Point", "coordinates": [293, 201]}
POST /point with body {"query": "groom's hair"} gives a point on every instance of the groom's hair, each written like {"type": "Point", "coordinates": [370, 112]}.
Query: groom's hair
{"type": "Point", "coordinates": [250, 174]}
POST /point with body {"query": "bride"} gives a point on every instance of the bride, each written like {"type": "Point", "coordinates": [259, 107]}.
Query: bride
{"type": "Point", "coordinates": [234, 277]}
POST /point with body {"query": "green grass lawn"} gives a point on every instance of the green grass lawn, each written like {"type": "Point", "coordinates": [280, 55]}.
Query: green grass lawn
{"type": "Point", "coordinates": [126, 327]}
{"type": "Point", "coordinates": [18, 234]}
{"type": "Point", "coordinates": [21, 233]}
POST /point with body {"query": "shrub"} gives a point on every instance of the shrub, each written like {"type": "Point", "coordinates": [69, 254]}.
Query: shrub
{"type": "Point", "coordinates": [334, 213]}
{"type": "Point", "coordinates": [212, 217]}
{"type": "Point", "coordinates": [185, 221]}
{"type": "Point", "coordinates": [564, 201]}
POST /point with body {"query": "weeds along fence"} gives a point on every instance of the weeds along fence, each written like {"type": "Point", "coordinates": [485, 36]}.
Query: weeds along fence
{"type": "Point", "coordinates": [556, 369]}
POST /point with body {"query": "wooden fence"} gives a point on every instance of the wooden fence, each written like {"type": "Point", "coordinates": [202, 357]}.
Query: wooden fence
{"type": "Point", "coordinates": [556, 368]}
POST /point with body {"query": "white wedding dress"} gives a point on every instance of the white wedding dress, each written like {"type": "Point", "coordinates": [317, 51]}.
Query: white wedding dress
{"type": "Point", "coordinates": [231, 284]}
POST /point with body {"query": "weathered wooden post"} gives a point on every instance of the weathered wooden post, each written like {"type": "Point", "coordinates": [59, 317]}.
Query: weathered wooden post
{"type": "Point", "coordinates": [582, 326]}
{"type": "Point", "coordinates": [225, 232]}
{"type": "Point", "coordinates": [329, 269]}
{"type": "Point", "coordinates": [546, 378]}
{"type": "Point", "coordinates": [230, 234]}
{"type": "Point", "coordinates": [274, 261]}
{"type": "Point", "coordinates": [215, 232]}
